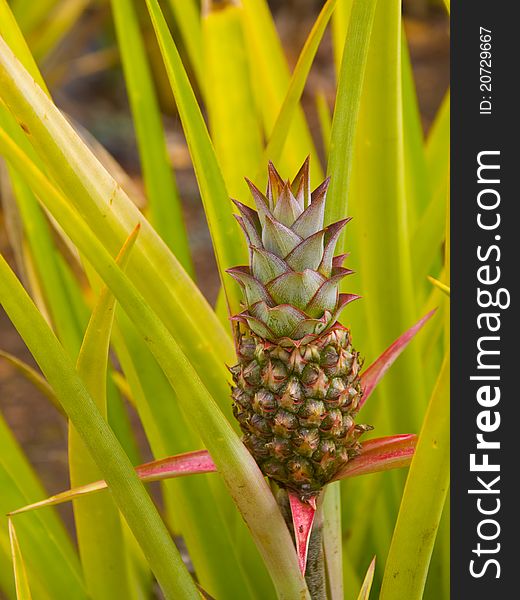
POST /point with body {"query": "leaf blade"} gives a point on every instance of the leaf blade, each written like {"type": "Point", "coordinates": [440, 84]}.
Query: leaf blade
{"type": "Point", "coordinates": [421, 507]}
{"type": "Point", "coordinates": [23, 590]}
{"type": "Point", "coordinates": [164, 202]}
{"type": "Point", "coordinates": [131, 498]}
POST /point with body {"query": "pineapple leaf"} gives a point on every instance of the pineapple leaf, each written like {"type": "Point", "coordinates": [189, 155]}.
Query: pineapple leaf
{"type": "Point", "coordinates": [294, 288]}
{"type": "Point", "coordinates": [128, 492]}
{"type": "Point", "coordinates": [278, 238]}
{"type": "Point", "coordinates": [307, 254]}
{"type": "Point", "coordinates": [98, 525]}
{"type": "Point", "coordinates": [287, 209]}
{"type": "Point", "coordinates": [311, 220]}
{"type": "Point", "coordinates": [303, 518]}
{"type": "Point", "coordinates": [364, 592]}
{"type": "Point", "coordinates": [374, 373]}
{"type": "Point", "coordinates": [266, 265]}
{"type": "Point", "coordinates": [189, 463]}
{"type": "Point", "coordinates": [376, 455]}
{"type": "Point", "coordinates": [423, 500]}
{"type": "Point", "coordinates": [380, 454]}
{"type": "Point", "coordinates": [229, 249]}
{"type": "Point", "coordinates": [345, 118]}
{"type": "Point", "coordinates": [23, 590]}
{"type": "Point", "coordinates": [281, 128]}
{"type": "Point", "coordinates": [163, 198]}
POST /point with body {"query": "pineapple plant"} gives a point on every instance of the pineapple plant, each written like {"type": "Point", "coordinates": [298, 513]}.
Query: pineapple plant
{"type": "Point", "coordinates": [297, 385]}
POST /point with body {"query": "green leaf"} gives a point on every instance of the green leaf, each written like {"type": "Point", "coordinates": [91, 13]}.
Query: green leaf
{"type": "Point", "coordinates": [190, 503]}
{"type": "Point", "coordinates": [228, 245]}
{"type": "Point", "coordinates": [423, 501]}
{"type": "Point", "coordinates": [23, 591]}
{"type": "Point", "coordinates": [429, 231]}
{"type": "Point", "coordinates": [187, 18]}
{"type": "Point", "coordinates": [364, 593]}
{"type": "Point", "coordinates": [110, 213]}
{"type": "Point", "coordinates": [46, 262]}
{"type": "Point", "coordinates": [10, 31]}
{"type": "Point", "coordinates": [332, 540]}
{"type": "Point", "coordinates": [325, 119]}
{"type": "Point", "coordinates": [233, 119]}
{"type": "Point", "coordinates": [345, 118]}
{"type": "Point", "coordinates": [441, 286]}
{"type": "Point", "coordinates": [271, 82]}
{"type": "Point", "coordinates": [417, 188]}
{"type": "Point", "coordinates": [340, 21]}
{"type": "Point", "coordinates": [128, 492]}
{"type": "Point", "coordinates": [280, 132]}
{"type": "Point", "coordinates": [379, 207]}
{"type": "Point", "coordinates": [164, 203]}
{"type": "Point", "coordinates": [340, 153]}
{"type": "Point", "coordinates": [98, 526]}
{"type": "Point", "coordinates": [51, 560]}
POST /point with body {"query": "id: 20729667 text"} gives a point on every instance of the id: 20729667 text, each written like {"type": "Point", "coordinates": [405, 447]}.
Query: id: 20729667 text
{"type": "Point", "coordinates": [485, 71]}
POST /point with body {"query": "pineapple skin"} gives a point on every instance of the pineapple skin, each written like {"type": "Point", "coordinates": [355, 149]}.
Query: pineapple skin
{"type": "Point", "coordinates": [296, 407]}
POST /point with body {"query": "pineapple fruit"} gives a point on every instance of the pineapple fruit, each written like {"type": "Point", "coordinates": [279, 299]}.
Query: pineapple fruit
{"type": "Point", "coordinates": [297, 385]}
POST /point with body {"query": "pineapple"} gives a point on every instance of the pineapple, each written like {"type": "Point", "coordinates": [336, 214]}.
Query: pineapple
{"type": "Point", "coordinates": [297, 385]}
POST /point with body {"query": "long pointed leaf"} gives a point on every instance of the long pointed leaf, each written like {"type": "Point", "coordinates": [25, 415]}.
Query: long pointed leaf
{"type": "Point", "coordinates": [376, 455]}
{"type": "Point", "coordinates": [281, 128]}
{"type": "Point", "coordinates": [23, 591]}
{"type": "Point", "coordinates": [228, 245]}
{"type": "Point", "coordinates": [345, 118]}
{"type": "Point", "coordinates": [131, 497]}
{"type": "Point", "coordinates": [364, 592]}
{"type": "Point", "coordinates": [381, 454]}
{"type": "Point", "coordinates": [421, 507]}
{"type": "Point", "coordinates": [303, 514]}
{"type": "Point", "coordinates": [188, 20]}
{"type": "Point", "coordinates": [331, 533]}
{"type": "Point", "coordinates": [233, 119]}
{"type": "Point", "coordinates": [164, 202]}
{"type": "Point", "coordinates": [98, 526]}
{"type": "Point", "coordinates": [375, 372]}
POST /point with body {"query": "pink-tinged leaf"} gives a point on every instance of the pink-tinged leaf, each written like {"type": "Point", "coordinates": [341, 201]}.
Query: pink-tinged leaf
{"type": "Point", "coordinates": [364, 592]}
{"type": "Point", "coordinates": [373, 375]}
{"type": "Point", "coordinates": [190, 463]}
{"type": "Point", "coordinates": [380, 454]}
{"type": "Point", "coordinates": [303, 517]}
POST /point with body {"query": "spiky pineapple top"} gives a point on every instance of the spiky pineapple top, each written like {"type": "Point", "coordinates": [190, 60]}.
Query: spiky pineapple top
{"type": "Point", "coordinates": [297, 386]}
{"type": "Point", "coordinates": [291, 287]}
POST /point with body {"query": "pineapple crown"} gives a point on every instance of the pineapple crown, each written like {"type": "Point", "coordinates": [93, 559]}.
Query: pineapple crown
{"type": "Point", "coordinates": [291, 286]}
